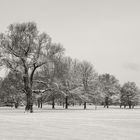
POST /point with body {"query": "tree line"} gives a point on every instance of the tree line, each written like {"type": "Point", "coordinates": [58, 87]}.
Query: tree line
{"type": "Point", "coordinates": [39, 72]}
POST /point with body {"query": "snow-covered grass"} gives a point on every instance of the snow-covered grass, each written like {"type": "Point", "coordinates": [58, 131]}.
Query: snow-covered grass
{"type": "Point", "coordinates": [72, 124]}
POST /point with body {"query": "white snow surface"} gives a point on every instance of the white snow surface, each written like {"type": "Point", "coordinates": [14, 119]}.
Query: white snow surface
{"type": "Point", "coordinates": [71, 124]}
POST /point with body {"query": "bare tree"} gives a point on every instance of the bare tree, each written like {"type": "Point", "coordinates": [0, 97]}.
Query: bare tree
{"type": "Point", "coordinates": [129, 95]}
{"type": "Point", "coordinates": [24, 51]}
{"type": "Point", "coordinates": [87, 77]}
{"type": "Point", "coordinates": [110, 87]}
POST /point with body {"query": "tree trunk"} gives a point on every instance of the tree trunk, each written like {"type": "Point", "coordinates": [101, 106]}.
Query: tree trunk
{"type": "Point", "coordinates": [38, 103]}
{"type": "Point", "coordinates": [95, 107]}
{"type": "Point", "coordinates": [53, 104]}
{"type": "Point", "coordinates": [95, 104]}
{"type": "Point", "coordinates": [41, 104]}
{"type": "Point", "coordinates": [107, 102]}
{"type": "Point", "coordinates": [63, 104]}
{"type": "Point", "coordinates": [130, 104]}
{"type": "Point", "coordinates": [84, 105]}
{"type": "Point", "coordinates": [28, 89]}
{"type": "Point", "coordinates": [73, 104]}
{"type": "Point", "coordinates": [16, 105]}
{"type": "Point", "coordinates": [29, 105]}
{"type": "Point", "coordinates": [66, 102]}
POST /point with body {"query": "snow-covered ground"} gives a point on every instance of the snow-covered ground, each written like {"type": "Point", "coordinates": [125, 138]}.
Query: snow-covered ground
{"type": "Point", "coordinates": [72, 124]}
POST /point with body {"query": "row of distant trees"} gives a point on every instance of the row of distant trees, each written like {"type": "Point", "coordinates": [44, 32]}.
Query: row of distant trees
{"type": "Point", "coordinates": [39, 72]}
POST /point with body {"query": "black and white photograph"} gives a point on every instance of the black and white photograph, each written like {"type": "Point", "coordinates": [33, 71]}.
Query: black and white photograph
{"type": "Point", "coordinates": [69, 69]}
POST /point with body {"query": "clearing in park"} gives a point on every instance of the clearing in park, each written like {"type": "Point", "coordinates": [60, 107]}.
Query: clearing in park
{"type": "Point", "coordinates": [71, 124]}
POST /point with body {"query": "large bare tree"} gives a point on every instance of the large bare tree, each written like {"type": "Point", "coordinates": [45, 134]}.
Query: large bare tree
{"type": "Point", "coordinates": [25, 51]}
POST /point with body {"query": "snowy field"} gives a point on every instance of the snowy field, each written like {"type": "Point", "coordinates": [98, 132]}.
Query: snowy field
{"type": "Point", "coordinates": [72, 124]}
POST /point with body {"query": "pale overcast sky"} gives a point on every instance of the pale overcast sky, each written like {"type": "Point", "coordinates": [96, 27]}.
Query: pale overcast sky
{"type": "Point", "coordinates": [104, 32]}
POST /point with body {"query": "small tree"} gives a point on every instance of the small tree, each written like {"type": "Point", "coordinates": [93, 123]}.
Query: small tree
{"type": "Point", "coordinates": [110, 86]}
{"type": "Point", "coordinates": [12, 89]}
{"type": "Point", "coordinates": [129, 95]}
{"type": "Point", "coordinates": [87, 79]}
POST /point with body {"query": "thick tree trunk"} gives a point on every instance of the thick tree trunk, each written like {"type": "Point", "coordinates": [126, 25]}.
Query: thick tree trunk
{"type": "Point", "coordinates": [28, 91]}
{"type": "Point", "coordinates": [106, 102]}
{"type": "Point", "coordinates": [28, 81]}
{"type": "Point", "coordinates": [130, 104]}
{"type": "Point", "coordinates": [29, 96]}
{"type": "Point", "coordinates": [66, 102]}
{"type": "Point", "coordinates": [29, 104]}
{"type": "Point", "coordinates": [85, 105]}
{"type": "Point", "coordinates": [16, 104]}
